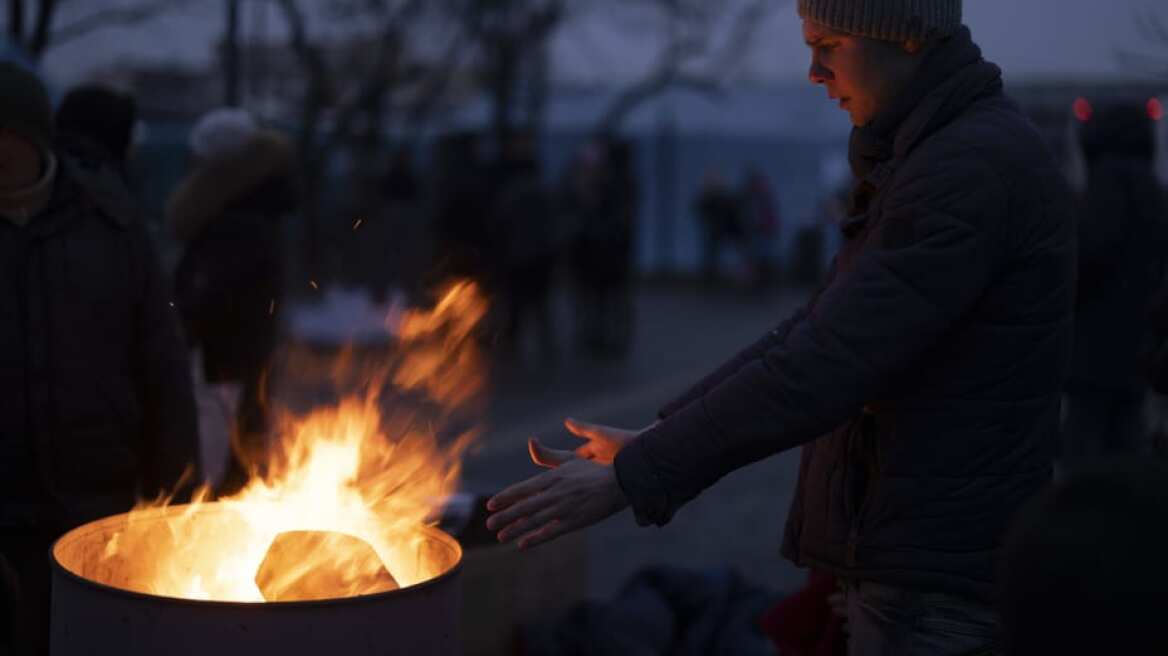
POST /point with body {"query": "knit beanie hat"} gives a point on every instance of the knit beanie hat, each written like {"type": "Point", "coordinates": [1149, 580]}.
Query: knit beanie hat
{"type": "Point", "coordinates": [222, 132]}
{"type": "Point", "coordinates": [100, 114]}
{"type": "Point", "coordinates": [24, 104]}
{"type": "Point", "coordinates": [886, 20]}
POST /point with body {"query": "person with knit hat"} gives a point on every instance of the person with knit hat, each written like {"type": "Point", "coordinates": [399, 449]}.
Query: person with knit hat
{"type": "Point", "coordinates": [98, 407]}
{"type": "Point", "coordinates": [922, 380]}
{"type": "Point", "coordinates": [228, 213]}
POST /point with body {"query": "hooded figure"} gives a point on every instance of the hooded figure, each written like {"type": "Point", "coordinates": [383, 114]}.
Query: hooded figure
{"type": "Point", "coordinates": [229, 212]}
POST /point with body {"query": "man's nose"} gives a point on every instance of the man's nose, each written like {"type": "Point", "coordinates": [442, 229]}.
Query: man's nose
{"type": "Point", "coordinates": [818, 74]}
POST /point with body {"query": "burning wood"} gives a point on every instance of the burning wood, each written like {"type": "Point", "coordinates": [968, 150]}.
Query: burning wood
{"type": "Point", "coordinates": [346, 493]}
{"type": "Point", "coordinates": [313, 565]}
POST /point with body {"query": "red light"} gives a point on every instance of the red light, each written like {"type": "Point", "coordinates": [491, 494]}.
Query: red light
{"type": "Point", "coordinates": [1082, 109]}
{"type": "Point", "coordinates": [1155, 109]}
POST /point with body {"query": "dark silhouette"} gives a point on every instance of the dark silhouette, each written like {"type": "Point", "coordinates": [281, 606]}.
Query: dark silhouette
{"type": "Point", "coordinates": [604, 200]}
{"type": "Point", "coordinates": [98, 405]}
{"type": "Point", "coordinates": [1122, 253]}
{"type": "Point", "coordinates": [720, 213]}
{"type": "Point", "coordinates": [762, 223]}
{"type": "Point", "coordinates": [230, 283]}
{"type": "Point", "coordinates": [1084, 566]}
{"type": "Point", "coordinates": [462, 211]}
{"type": "Point", "coordinates": [401, 183]}
{"type": "Point", "coordinates": [526, 235]}
{"type": "Point", "coordinates": [98, 122]}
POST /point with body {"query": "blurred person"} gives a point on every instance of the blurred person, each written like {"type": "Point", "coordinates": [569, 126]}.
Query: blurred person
{"type": "Point", "coordinates": [526, 244]}
{"type": "Point", "coordinates": [401, 180]}
{"type": "Point", "coordinates": [923, 380]}
{"type": "Point", "coordinates": [626, 203]}
{"type": "Point", "coordinates": [606, 203]}
{"type": "Point", "coordinates": [763, 224]}
{"type": "Point", "coordinates": [229, 213]}
{"type": "Point", "coordinates": [1084, 566]}
{"type": "Point", "coordinates": [719, 212]}
{"type": "Point", "coordinates": [1122, 251]}
{"type": "Point", "coordinates": [98, 407]}
{"type": "Point", "coordinates": [96, 122]}
{"type": "Point", "coordinates": [461, 209]}
{"type": "Point", "coordinates": [409, 238]}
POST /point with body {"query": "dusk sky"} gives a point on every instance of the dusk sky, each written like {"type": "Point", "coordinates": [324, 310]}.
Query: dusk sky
{"type": "Point", "coordinates": [1029, 38]}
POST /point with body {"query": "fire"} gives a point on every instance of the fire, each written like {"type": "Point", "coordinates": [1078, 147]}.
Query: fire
{"type": "Point", "coordinates": [338, 506]}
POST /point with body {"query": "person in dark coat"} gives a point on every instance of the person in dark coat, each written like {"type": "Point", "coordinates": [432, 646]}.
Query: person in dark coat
{"type": "Point", "coordinates": [605, 200]}
{"type": "Point", "coordinates": [98, 408]}
{"type": "Point", "coordinates": [1122, 251]}
{"type": "Point", "coordinates": [721, 220]}
{"type": "Point", "coordinates": [96, 122]}
{"type": "Point", "coordinates": [461, 211]}
{"type": "Point", "coordinates": [763, 224]}
{"type": "Point", "coordinates": [923, 380]}
{"type": "Point", "coordinates": [229, 283]}
{"type": "Point", "coordinates": [526, 244]}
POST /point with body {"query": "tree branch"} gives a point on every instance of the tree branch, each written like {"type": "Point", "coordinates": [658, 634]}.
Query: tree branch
{"type": "Point", "coordinates": [673, 66]}
{"type": "Point", "coordinates": [16, 21]}
{"type": "Point", "coordinates": [46, 9]}
{"type": "Point", "coordinates": [107, 18]}
{"type": "Point", "coordinates": [317, 94]}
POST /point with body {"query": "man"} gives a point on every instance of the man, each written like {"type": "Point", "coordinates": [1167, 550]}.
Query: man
{"type": "Point", "coordinates": [923, 379]}
{"type": "Point", "coordinates": [96, 386]}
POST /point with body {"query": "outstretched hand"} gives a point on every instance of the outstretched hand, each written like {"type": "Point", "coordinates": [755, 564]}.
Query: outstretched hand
{"type": "Point", "coordinates": [579, 490]}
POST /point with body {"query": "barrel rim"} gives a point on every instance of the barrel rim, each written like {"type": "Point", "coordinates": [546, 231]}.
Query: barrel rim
{"type": "Point", "coordinates": [410, 590]}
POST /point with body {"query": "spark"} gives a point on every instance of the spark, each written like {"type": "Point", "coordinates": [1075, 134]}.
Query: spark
{"type": "Point", "coordinates": [271, 307]}
{"type": "Point", "coordinates": [357, 223]}
{"type": "Point", "coordinates": [313, 284]}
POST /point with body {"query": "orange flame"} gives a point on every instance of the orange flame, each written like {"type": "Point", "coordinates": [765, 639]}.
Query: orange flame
{"type": "Point", "coordinates": [340, 473]}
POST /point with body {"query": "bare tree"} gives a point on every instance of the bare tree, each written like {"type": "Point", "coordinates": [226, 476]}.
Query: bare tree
{"type": "Point", "coordinates": [1152, 58]}
{"type": "Point", "coordinates": [511, 38]}
{"type": "Point", "coordinates": [692, 56]}
{"type": "Point", "coordinates": [44, 33]}
{"type": "Point", "coordinates": [348, 99]}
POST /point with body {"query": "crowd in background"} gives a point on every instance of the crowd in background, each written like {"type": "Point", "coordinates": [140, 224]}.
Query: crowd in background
{"type": "Point", "coordinates": [494, 217]}
{"type": "Point", "coordinates": [747, 220]}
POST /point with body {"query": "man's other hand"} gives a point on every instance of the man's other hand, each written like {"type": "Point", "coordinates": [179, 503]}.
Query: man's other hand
{"type": "Point", "coordinates": [580, 490]}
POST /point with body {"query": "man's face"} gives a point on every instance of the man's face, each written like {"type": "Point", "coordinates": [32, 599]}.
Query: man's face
{"type": "Point", "coordinates": [862, 74]}
{"type": "Point", "coordinates": [20, 161]}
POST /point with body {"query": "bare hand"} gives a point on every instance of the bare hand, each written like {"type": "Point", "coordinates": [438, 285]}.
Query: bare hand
{"type": "Point", "coordinates": [602, 445]}
{"type": "Point", "coordinates": [576, 493]}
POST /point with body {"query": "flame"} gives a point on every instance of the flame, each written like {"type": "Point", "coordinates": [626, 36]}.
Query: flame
{"type": "Point", "coordinates": [354, 476]}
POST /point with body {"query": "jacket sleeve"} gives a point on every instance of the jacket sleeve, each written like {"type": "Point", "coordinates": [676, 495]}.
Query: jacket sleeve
{"type": "Point", "coordinates": [170, 442]}
{"type": "Point", "coordinates": [923, 266]}
{"type": "Point", "coordinates": [750, 353]}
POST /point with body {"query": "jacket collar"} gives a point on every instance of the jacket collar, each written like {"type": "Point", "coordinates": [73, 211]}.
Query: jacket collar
{"type": "Point", "coordinates": [952, 77]}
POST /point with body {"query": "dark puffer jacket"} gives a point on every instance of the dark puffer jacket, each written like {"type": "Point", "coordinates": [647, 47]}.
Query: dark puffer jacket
{"type": "Point", "coordinates": [96, 384]}
{"type": "Point", "coordinates": [924, 379]}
